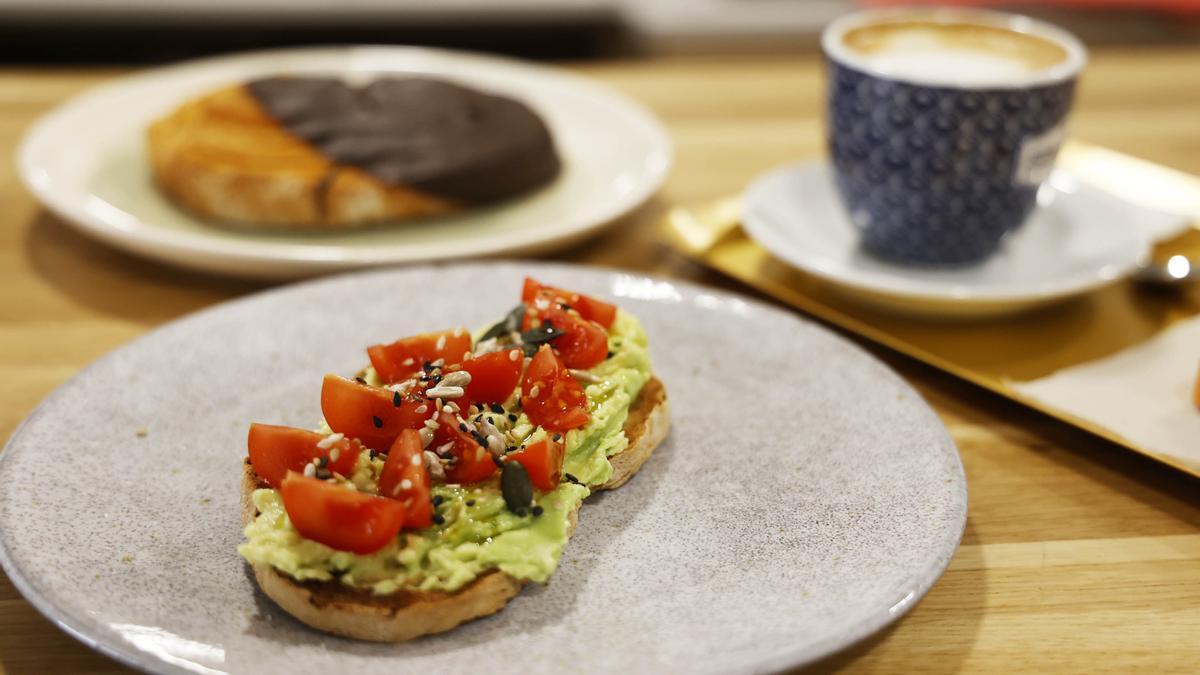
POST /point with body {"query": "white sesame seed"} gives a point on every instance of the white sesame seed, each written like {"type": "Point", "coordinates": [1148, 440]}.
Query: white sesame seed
{"type": "Point", "coordinates": [422, 409]}
{"type": "Point", "coordinates": [406, 484]}
{"type": "Point", "coordinates": [466, 356]}
{"type": "Point", "coordinates": [514, 355]}
{"type": "Point", "coordinates": [334, 454]}
{"type": "Point", "coordinates": [441, 391]}
{"type": "Point", "coordinates": [416, 460]}
{"type": "Point", "coordinates": [426, 437]}
{"type": "Point", "coordinates": [479, 453]}
{"type": "Point", "coordinates": [408, 362]}
{"type": "Point", "coordinates": [441, 449]}
{"type": "Point", "coordinates": [438, 363]}
{"type": "Point", "coordinates": [310, 470]}
{"type": "Point", "coordinates": [441, 343]}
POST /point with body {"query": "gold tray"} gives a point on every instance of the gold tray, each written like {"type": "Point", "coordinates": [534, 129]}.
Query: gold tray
{"type": "Point", "coordinates": [990, 353]}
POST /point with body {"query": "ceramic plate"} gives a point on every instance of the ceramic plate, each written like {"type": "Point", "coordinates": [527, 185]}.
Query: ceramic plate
{"type": "Point", "coordinates": [87, 162]}
{"type": "Point", "coordinates": [1079, 238]}
{"type": "Point", "coordinates": [805, 497]}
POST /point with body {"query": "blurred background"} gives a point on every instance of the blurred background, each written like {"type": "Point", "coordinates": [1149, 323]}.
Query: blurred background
{"type": "Point", "coordinates": [149, 31]}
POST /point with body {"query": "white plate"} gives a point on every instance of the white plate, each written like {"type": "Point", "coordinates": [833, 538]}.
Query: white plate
{"type": "Point", "coordinates": [86, 161]}
{"type": "Point", "coordinates": [1078, 239]}
{"type": "Point", "coordinates": [805, 497]}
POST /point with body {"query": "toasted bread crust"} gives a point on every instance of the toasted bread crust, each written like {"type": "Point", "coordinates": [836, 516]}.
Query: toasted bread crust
{"type": "Point", "coordinates": [350, 612]}
{"type": "Point", "coordinates": [200, 160]}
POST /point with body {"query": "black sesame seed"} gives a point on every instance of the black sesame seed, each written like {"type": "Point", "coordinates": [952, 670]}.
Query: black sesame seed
{"type": "Point", "coordinates": [497, 461]}
{"type": "Point", "coordinates": [537, 511]}
{"type": "Point", "coordinates": [496, 408]}
{"type": "Point", "coordinates": [557, 437]}
{"type": "Point", "coordinates": [470, 502]}
{"type": "Point", "coordinates": [323, 462]}
{"type": "Point", "coordinates": [396, 400]}
{"type": "Point", "coordinates": [377, 421]}
{"type": "Point", "coordinates": [438, 518]}
{"type": "Point", "coordinates": [437, 500]}
{"type": "Point", "coordinates": [462, 426]}
{"type": "Point", "coordinates": [427, 366]}
{"type": "Point", "coordinates": [610, 355]}
{"type": "Point", "coordinates": [572, 479]}
{"type": "Point", "coordinates": [372, 454]}
{"type": "Point", "coordinates": [360, 380]}
{"type": "Point", "coordinates": [512, 417]}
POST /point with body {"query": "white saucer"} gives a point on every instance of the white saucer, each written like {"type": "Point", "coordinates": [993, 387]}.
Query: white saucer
{"type": "Point", "coordinates": [1078, 239]}
{"type": "Point", "coordinates": [86, 161]}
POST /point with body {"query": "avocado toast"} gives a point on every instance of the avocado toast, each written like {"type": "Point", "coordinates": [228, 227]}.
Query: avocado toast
{"type": "Point", "coordinates": [486, 457]}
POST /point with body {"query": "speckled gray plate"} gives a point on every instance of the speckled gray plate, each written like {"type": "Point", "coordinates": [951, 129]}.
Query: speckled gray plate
{"type": "Point", "coordinates": [805, 497]}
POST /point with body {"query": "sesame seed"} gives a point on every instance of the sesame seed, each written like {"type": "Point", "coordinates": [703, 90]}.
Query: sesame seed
{"type": "Point", "coordinates": [466, 356]}
{"type": "Point", "coordinates": [377, 421]}
{"type": "Point", "coordinates": [322, 462]}
{"type": "Point", "coordinates": [534, 391]}
{"type": "Point", "coordinates": [537, 511]}
{"type": "Point", "coordinates": [437, 500]}
{"type": "Point", "coordinates": [512, 417]}
{"type": "Point", "coordinates": [496, 408]}
{"type": "Point", "coordinates": [422, 409]}
{"type": "Point", "coordinates": [439, 518]}
{"type": "Point", "coordinates": [310, 470]}
{"type": "Point", "coordinates": [360, 380]}
{"type": "Point", "coordinates": [438, 363]}
{"type": "Point", "coordinates": [514, 355]}
{"type": "Point", "coordinates": [557, 437]}
{"type": "Point", "coordinates": [441, 343]}
{"type": "Point", "coordinates": [470, 502]}
{"type": "Point", "coordinates": [409, 361]}
{"type": "Point", "coordinates": [479, 453]}
{"type": "Point", "coordinates": [334, 454]}
{"type": "Point", "coordinates": [426, 437]}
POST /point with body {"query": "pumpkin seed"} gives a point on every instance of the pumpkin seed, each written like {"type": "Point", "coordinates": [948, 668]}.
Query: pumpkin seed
{"type": "Point", "coordinates": [515, 486]}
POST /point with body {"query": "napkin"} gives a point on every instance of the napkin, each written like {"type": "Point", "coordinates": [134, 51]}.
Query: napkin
{"type": "Point", "coordinates": [1143, 393]}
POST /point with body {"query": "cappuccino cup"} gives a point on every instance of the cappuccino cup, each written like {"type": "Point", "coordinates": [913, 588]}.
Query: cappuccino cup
{"type": "Point", "coordinates": [942, 124]}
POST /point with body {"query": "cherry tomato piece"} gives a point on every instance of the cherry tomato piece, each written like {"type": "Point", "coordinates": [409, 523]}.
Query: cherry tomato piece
{"type": "Point", "coordinates": [275, 450]}
{"type": "Point", "coordinates": [583, 343]}
{"type": "Point", "coordinates": [588, 307]}
{"type": "Point", "coordinates": [405, 479]}
{"type": "Point", "coordinates": [550, 396]}
{"type": "Point", "coordinates": [374, 415]}
{"type": "Point", "coordinates": [399, 360]}
{"type": "Point", "coordinates": [472, 462]}
{"type": "Point", "coordinates": [543, 461]}
{"type": "Point", "coordinates": [341, 518]}
{"type": "Point", "coordinates": [494, 376]}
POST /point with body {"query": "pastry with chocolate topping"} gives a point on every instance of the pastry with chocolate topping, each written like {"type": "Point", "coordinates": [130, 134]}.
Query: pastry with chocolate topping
{"type": "Point", "coordinates": [316, 152]}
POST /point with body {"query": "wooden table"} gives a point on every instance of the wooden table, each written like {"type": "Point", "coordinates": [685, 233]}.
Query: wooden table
{"type": "Point", "coordinates": [1078, 556]}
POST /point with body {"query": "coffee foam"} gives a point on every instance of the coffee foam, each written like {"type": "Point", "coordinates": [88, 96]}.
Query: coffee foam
{"type": "Point", "coordinates": [952, 53]}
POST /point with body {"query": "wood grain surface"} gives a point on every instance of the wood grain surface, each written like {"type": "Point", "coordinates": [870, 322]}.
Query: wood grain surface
{"type": "Point", "coordinates": [1078, 556]}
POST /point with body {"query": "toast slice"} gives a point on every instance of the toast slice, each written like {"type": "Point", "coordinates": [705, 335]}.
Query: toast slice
{"type": "Point", "coordinates": [202, 159]}
{"type": "Point", "coordinates": [341, 610]}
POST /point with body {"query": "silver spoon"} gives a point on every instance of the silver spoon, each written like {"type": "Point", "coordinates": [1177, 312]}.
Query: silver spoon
{"type": "Point", "coordinates": [1178, 270]}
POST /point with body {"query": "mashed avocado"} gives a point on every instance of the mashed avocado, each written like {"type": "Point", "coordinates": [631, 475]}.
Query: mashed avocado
{"type": "Point", "coordinates": [478, 533]}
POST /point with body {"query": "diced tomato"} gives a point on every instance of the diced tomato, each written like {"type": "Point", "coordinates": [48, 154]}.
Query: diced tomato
{"type": "Point", "coordinates": [374, 415]}
{"type": "Point", "coordinates": [583, 343]}
{"type": "Point", "coordinates": [405, 463]}
{"type": "Point", "coordinates": [543, 461]}
{"type": "Point", "coordinates": [275, 450]}
{"type": "Point", "coordinates": [472, 462]}
{"type": "Point", "coordinates": [550, 396]}
{"type": "Point", "coordinates": [588, 307]}
{"type": "Point", "coordinates": [341, 518]}
{"type": "Point", "coordinates": [494, 376]}
{"type": "Point", "coordinates": [400, 359]}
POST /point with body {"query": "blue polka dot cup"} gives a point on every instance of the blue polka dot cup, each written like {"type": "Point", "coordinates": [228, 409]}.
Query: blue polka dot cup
{"type": "Point", "coordinates": [942, 124]}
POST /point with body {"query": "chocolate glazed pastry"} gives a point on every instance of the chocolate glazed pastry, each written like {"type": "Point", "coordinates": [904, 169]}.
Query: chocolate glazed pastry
{"type": "Point", "coordinates": [286, 153]}
{"type": "Point", "coordinates": [443, 139]}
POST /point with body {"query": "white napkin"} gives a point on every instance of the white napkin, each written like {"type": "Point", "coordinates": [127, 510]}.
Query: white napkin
{"type": "Point", "coordinates": [1143, 393]}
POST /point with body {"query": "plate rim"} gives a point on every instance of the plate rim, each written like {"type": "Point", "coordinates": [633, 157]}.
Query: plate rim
{"type": "Point", "coordinates": [899, 288]}
{"type": "Point", "coordinates": [923, 580]}
{"type": "Point", "coordinates": [201, 251]}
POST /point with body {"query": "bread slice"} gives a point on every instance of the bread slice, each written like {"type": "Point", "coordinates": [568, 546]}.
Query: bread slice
{"type": "Point", "coordinates": [202, 159]}
{"type": "Point", "coordinates": [341, 610]}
